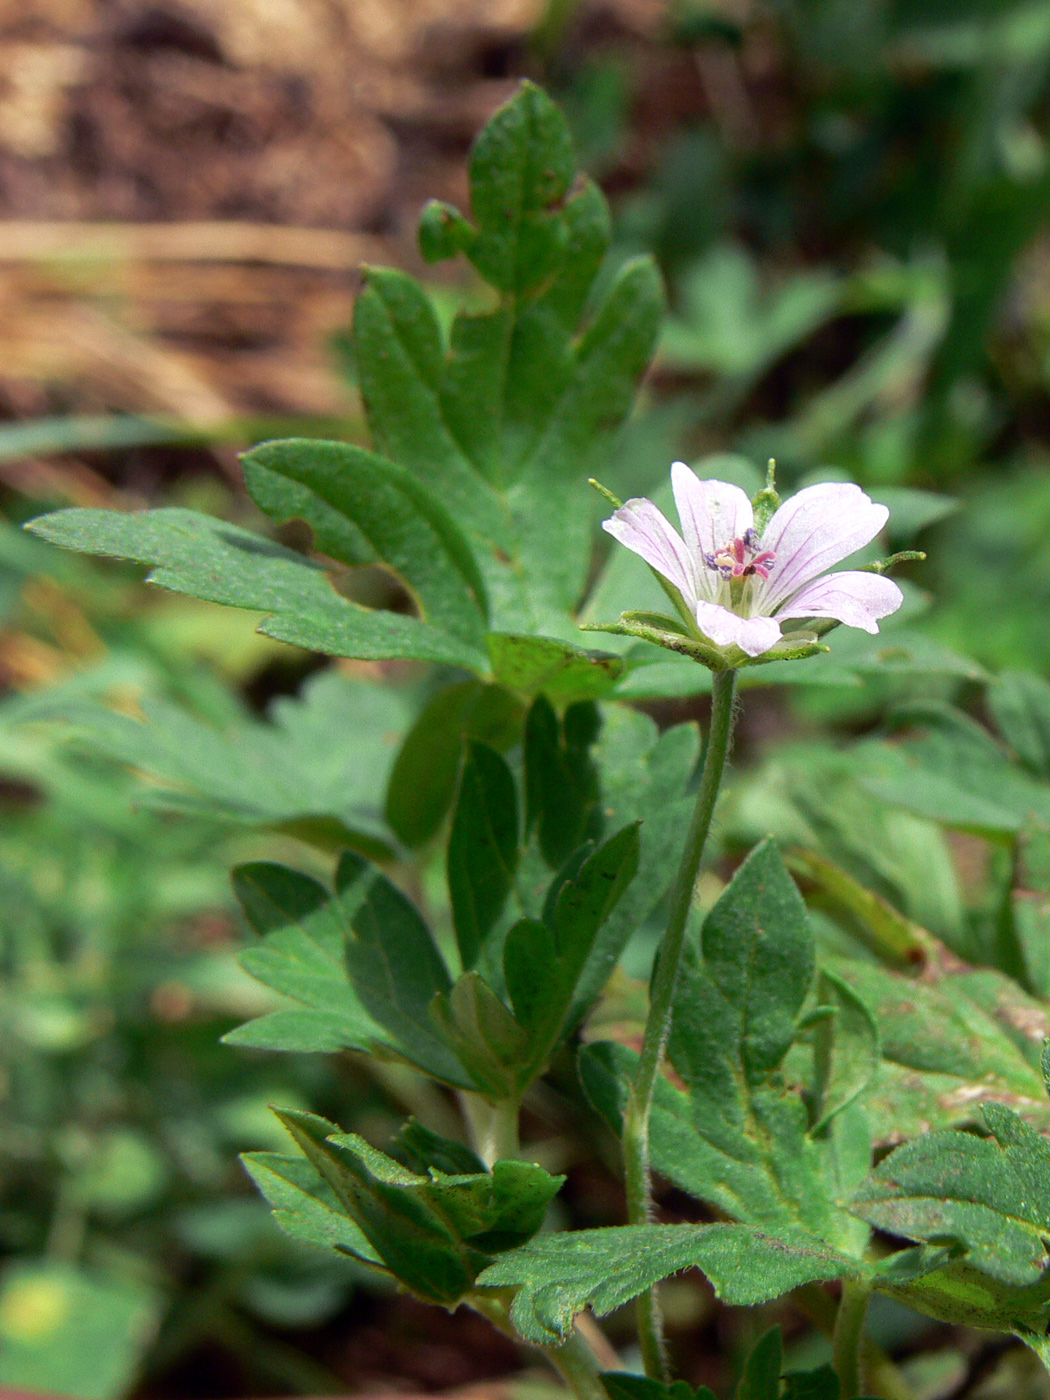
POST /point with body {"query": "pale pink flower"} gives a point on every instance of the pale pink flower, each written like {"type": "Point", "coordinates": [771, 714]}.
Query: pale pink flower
{"type": "Point", "coordinates": [740, 587]}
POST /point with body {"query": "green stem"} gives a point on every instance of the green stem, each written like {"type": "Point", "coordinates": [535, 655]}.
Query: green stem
{"type": "Point", "coordinates": [879, 1373]}
{"type": "Point", "coordinates": [848, 1339]}
{"type": "Point", "coordinates": [68, 1228]}
{"type": "Point", "coordinates": [573, 1360]}
{"type": "Point", "coordinates": [657, 1028]}
{"type": "Point", "coordinates": [493, 1127]}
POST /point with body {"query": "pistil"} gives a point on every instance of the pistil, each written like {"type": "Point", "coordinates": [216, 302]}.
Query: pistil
{"type": "Point", "coordinates": [741, 558]}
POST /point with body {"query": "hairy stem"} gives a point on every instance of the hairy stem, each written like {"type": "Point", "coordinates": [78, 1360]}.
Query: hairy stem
{"type": "Point", "coordinates": [879, 1373]}
{"type": "Point", "coordinates": [574, 1360]}
{"type": "Point", "coordinates": [493, 1127]}
{"type": "Point", "coordinates": [848, 1339]}
{"type": "Point", "coordinates": [657, 1028]}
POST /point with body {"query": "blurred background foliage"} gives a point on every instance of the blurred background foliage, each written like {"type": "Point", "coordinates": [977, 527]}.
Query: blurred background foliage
{"type": "Point", "coordinates": [850, 201]}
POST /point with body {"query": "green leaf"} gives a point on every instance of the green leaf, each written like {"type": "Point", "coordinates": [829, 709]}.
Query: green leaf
{"type": "Point", "coordinates": [903, 653]}
{"type": "Point", "coordinates": [543, 962]}
{"type": "Point", "coordinates": [305, 1206]}
{"type": "Point", "coordinates": [406, 527]}
{"type": "Point", "coordinates": [731, 326]}
{"type": "Point", "coordinates": [1029, 909]}
{"type": "Point", "coordinates": [955, 773]}
{"type": "Point", "coordinates": [625, 1385]}
{"type": "Point", "coordinates": [221, 563]}
{"type": "Point", "coordinates": [644, 778]}
{"type": "Point", "coordinates": [476, 493]}
{"type": "Point", "coordinates": [561, 782]}
{"type": "Point", "coordinates": [394, 964]}
{"type": "Point", "coordinates": [1020, 703]}
{"type": "Point", "coordinates": [847, 1049]}
{"type": "Point", "coordinates": [421, 1148]}
{"type": "Point", "coordinates": [761, 1378]}
{"type": "Point", "coordinates": [482, 847]}
{"type": "Point", "coordinates": [317, 768]}
{"type": "Point", "coordinates": [522, 165]}
{"type": "Point", "coordinates": [531, 665]}
{"type": "Point", "coordinates": [986, 1048]}
{"type": "Point", "coordinates": [73, 1331]}
{"type": "Point", "coordinates": [400, 360]}
{"type": "Point", "coordinates": [912, 511]}
{"type": "Point", "coordinates": [818, 798]}
{"type": "Point", "coordinates": [484, 1036]}
{"type": "Point", "coordinates": [821, 1384]}
{"type": "Point", "coordinates": [992, 1196]}
{"type": "Point", "coordinates": [504, 425]}
{"type": "Point", "coordinates": [891, 936]}
{"type": "Point", "coordinates": [433, 1232]}
{"type": "Point", "coordinates": [359, 962]}
{"type": "Point", "coordinates": [423, 780]}
{"type": "Point", "coordinates": [559, 1275]}
{"type": "Point", "coordinates": [443, 231]}
{"type": "Point", "coordinates": [302, 956]}
{"type": "Point", "coordinates": [963, 1296]}
{"type": "Point", "coordinates": [740, 1137]}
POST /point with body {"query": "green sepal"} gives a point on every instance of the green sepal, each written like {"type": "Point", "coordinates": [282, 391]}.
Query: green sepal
{"type": "Point", "coordinates": [883, 566]}
{"type": "Point", "coordinates": [660, 621]}
{"type": "Point", "coordinates": [767, 502]}
{"type": "Point", "coordinates": [694, 647]}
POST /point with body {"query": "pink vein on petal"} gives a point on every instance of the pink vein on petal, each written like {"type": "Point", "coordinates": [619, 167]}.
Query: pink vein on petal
{"type": "Point", "coordinates": [753, 635]}
{"type": "Point", "coordinates": [857, 599]}
{"type": "Point", "coordinates": [814, 531]}
{"type": "Point", "coordinates": [645, 530]}
{"type": "Point", "coordinates": [713, 515]}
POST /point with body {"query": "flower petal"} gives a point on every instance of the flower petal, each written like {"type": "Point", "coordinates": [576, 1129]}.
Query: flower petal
{"type": "Point", "coordinates": [857, 599]}
{"type": "Point", "coordinates": [753, 635]}
{"type": "Point", "coordinates": [814, 531]}
{"type": "Point", "coordinates": [713, 515]}
{"type": "Point", "coordinates": [645, 530]}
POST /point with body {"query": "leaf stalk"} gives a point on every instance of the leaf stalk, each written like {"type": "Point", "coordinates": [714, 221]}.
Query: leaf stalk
{"type": "Point", "coordinates": [493, 1127]}
{"type": "Point", "coordinates": [574, 1360]}
{"type": "Point", "coordinates": [848, 1338]}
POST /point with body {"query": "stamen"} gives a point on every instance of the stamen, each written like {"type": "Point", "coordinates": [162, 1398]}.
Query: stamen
{"type": "Point", "coordinates": [740, 558]}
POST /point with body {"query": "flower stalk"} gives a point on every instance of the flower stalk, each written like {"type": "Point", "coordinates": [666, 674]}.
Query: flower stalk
{"type": "Point", "coordinates": [637, 1167]}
